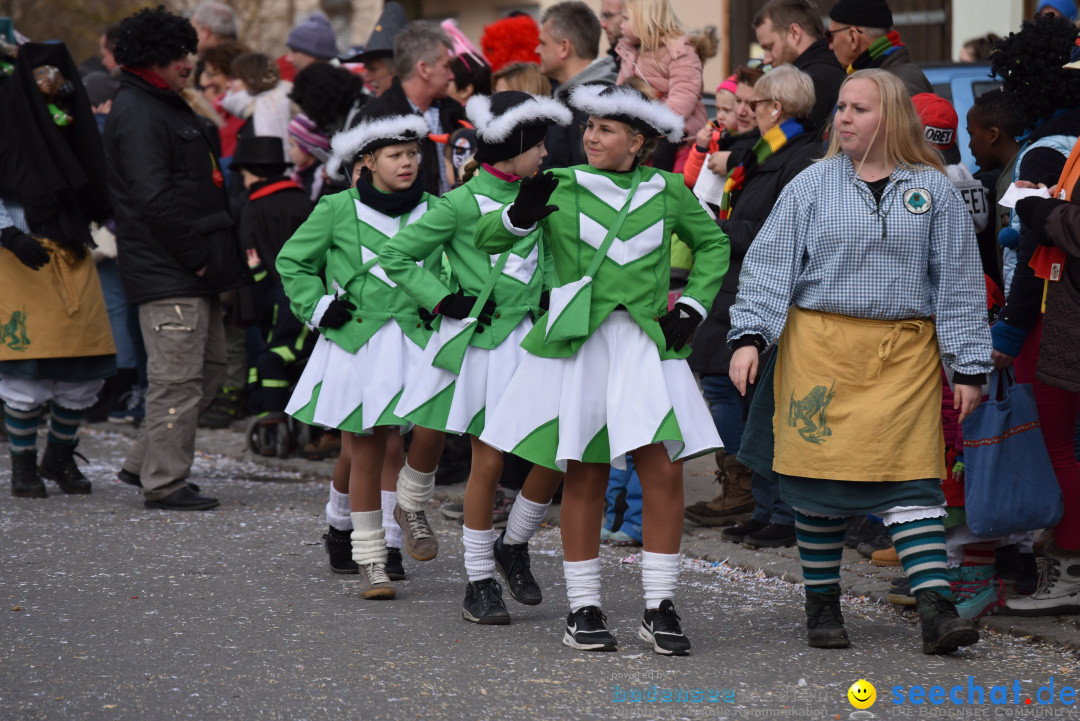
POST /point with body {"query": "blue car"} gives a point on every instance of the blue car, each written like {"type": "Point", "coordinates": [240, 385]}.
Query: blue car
{"type": "Point", "coordinates": [960, 84]}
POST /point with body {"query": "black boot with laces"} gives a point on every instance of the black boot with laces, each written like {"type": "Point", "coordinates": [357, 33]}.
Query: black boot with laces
{"type": "Point", "coordinates": [943, 630]}
{"type": "Point", "coordinates": [484, 604]}
{"type": "Point", "coordinates": [25, 481]}
{"type": "Point", "coordinates": [661, 628]}
{"type": "Point", "coordinates": [339, 549]}
{"type": "Point", "coordinates": [58, 464]}
{"type": "Point", "coordinates": [824, 622]}
{"type": "Point", "coordinates": [512, 560]}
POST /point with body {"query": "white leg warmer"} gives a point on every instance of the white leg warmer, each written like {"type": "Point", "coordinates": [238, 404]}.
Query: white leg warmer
{"type": "Point", "coordinates": [525, 517]}
{"type": "Point", "coordinates": [390, 526]}
{"type": "Point", "coordinates": [479, 558]}
{"type": "Point", "coordinates": [337, 511]}
{"type": "Point", "coordinates": [582, 583]}
{"type": "Point", "coordinates": [414, 489]}
{"type": "Point", "coordinates": [659, 574]}
{"type": "Point", "coordinates": [368, 544]}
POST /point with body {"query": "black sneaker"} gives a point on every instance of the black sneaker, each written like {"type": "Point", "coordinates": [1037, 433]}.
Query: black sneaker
{"type": "Point", "coordinates": [339, 549]}
{"type": "Point", "coordinates": [586, 630]}
{"type": "Point", "coordinates": [824, 622]}
{"type": "Point", "coordinates": [394, 568]}
{"type": "Point", "coordinates": [483, 603]}
{"type": "Point", "coordinates": [512, 560]}
{"type": "Point", "coordinates": [661, 628]}
{"type": "Point", "coordinates": [879, 542]}
{"type": "Point", "coordinates": [774, 535]}
{"type": "Point", "coordinates": [737, 534]}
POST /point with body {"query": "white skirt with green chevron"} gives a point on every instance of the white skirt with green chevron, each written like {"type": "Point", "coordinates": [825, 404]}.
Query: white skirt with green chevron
{"type": "Point", "coordinates": [356, 392]}
{"type": "Point", "coordinates": [611, 397]}
{"type": "Point", "coordinates": [436, 398]}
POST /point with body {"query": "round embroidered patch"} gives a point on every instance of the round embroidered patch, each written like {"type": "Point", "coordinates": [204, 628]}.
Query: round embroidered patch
{"type": "Point", "coordinates": [917, 200]}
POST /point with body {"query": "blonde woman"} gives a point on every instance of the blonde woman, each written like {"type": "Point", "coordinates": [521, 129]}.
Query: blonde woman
{"type": "Point", "coordinates": [525, 77]}
{"type": "Point", "coordinates": [655, 48]}
{"type": "Point", "coordinates": [867, 278]}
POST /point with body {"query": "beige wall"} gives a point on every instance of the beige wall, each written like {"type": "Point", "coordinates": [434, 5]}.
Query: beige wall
{"type": "Point", "coordinates": [974, 18]}
{"type": "Point", "coordinates": [694, 14]}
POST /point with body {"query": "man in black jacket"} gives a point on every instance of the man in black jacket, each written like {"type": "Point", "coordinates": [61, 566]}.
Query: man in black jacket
{"type": "Point", "coordinates": [791, 32]}
{"type": "Point", "coordinates": [422, 75]}
{"type": "Point", "coordinates": [177, 247]}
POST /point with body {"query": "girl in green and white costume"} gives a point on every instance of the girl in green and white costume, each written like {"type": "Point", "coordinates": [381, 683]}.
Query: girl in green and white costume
{"type": "Point", "coordinates": [372, 334]}
{"type": "Point", "coordinates": [606, 375]}
{"type": "Point", "coordinates": [476, 347]}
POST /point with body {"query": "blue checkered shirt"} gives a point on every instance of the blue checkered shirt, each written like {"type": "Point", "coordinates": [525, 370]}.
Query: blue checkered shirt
{"type": "Point", "coordinates": [829, 246]}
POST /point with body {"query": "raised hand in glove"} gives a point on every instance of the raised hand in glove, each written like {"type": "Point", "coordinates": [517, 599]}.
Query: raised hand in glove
{"type": "Point", "coordinates": [458, 305]}
{"type": "Point", "coordinates": [531, 204]}
{"type": "Point", "coordinates": [678, 325]}
{"type": "Point", "coordinates": [29, 252]}
{"type": "Point", "coordinates": [337, 314]}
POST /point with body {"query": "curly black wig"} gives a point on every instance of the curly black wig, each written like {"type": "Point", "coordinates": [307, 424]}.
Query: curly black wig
{"type": "Point", "coordinates": [154, 38]}
{"type": "Point", "coordinates": [325, 93]}
{"type": "Point", "coordinates": [1030, 63]}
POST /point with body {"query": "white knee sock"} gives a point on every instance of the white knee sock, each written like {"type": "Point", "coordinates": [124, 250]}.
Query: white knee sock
{"type": "Point", "coordinates": [582, 583]}
{"type": "Point", "coordinates": [337, 511]}
{"type": "Point", "coordinates": [479, 559]}
{"type": "Point", "coordinates": [368, 543]}
{"type": "Point", "coordinates": [414, 489]}
{"type": "Point", "coordinates": [659, 574]}
{"type": "Point", "coordinates": [525, 517]}
{"type": "Point", "coordinates": [390, 526]}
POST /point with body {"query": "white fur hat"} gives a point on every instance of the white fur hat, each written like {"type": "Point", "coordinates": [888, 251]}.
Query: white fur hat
{"type": "Point", "coordinates": [627, 105]}
{"type": "Point", "coordinates": [372, 134]}
{"type": "Point", "coordinates": [512, 121]}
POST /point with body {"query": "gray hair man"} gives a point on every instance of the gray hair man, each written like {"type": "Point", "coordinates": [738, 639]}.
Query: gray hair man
{"type": "Point", "coordinates": [855, 25]}
{"type": "Point", "coordinates": [214, 22]}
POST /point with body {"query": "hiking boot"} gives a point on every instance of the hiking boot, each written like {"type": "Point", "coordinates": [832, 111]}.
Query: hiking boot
{"type": "Point", "coordinates": [339, 549]}
{"type": "Point", "coordinates": [394, 568]}
{"type": "Point", "coordinates": [735, 499]}
{"type": "Point", "coordinates": [886, 558]}
{"type": "Point", "coordinates": [718, 476]}
{"type": "Point", "coordinates": [880, 542]}
{"type": "Point", "coordinates": [328, 446]}
{"type": "Point", "coordinates": [661, 628]}
{"type": "Point", "coordinates": [824, 622]}
{"type": "Point", "coordinates": [737, 534]}
{"type": "Point", "coordinates": [586, 630]}
{"type": "Point", "coordinates": [58, 465]}
{"type": "Point", "coordinates": [416, 532]}
{"type": "Point", "coordinates": [25, 480]}
{"type": "Point", "coordinates": [900, 592]}
{"type": "Point", "coordinates": [977, 589]}
{"type": "Point", "coordinates": [483, 603]}
{"type": "Point", "coordinates": [774, 535]}
{"type": "Point", "coordinates": [943, 631]}
{"type": "Point", "coordinates": [605, 534]}
{"type": "Point", "coordinates": [374, 583]}
{"type": "Point", "coordinates": [860, 530]}
{"type": "Point", "coordinates": [1058, 590]}
{"type": "Point", "coordinates": [512, 561]}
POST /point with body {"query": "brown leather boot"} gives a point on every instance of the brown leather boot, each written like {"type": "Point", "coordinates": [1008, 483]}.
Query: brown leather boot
{"type": "Point", "coordinates": [735, 501]}
{"type": "Point", "coordinates": [718, 476]}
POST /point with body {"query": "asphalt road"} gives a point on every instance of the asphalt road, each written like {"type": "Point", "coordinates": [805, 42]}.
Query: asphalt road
{"type": "Point", "coordinates": [112, 611]}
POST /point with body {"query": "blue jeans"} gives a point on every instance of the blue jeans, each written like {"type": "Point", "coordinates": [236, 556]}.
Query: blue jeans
{"type": "Point", "coordinates": [127, 352]}
{"type": "Point", "coordinates": [726, 409]}
{"type": "Point", "coordinates": [618, 482]}
{"type": "Point", "coordinates": [768, 506]}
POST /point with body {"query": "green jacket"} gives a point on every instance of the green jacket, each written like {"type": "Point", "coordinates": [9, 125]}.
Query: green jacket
{"type": "Point", "coordinates": [341, 241]}
{"type": "Point", "coordinates": [449, 227]}
{"type": "Point", "coordinates": [635, 273]}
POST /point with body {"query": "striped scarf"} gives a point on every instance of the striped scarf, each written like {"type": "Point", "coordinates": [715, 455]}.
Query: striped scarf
{"type": "Point", "coordinates": [770, 142]}
{"type": "Point", "coordinates": [880, 48]}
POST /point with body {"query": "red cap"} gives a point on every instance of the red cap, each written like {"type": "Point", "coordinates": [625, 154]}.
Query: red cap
{"type": "Point", "coordinates": [938, 118]}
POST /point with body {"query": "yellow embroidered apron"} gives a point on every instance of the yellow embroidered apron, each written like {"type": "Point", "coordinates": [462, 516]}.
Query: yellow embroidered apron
{"type": "Point", "coordinates": [858, 400]}
{"type": "Point", "coordinates": [55, 312]}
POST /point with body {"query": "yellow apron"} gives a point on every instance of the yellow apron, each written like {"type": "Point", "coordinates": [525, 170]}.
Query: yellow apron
{"type": "Point", "coordinates": [858, 400]}
{"type": "Point", "coordinates": [57, 311]}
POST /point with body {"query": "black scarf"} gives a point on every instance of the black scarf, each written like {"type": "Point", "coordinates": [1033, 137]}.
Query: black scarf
{"type": "Point", "coordinates": [56, 174]}
{"type": "Point", "coordinates": [392, 204]}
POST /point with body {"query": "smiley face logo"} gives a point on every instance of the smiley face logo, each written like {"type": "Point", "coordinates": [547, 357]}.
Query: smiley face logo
{"type": "Point", "coordinates": [862, 694]}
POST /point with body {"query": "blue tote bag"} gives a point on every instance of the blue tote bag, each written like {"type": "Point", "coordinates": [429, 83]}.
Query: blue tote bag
{"type": "Point", "coordinates": [1009, 482]}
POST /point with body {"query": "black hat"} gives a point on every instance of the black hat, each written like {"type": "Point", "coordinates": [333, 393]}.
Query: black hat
{"type": "Point", "coordinates": [862, 13]}
{"type": "Point", "coordinates": [630, 106]}
{"type": "Point", "coordinates": [381, 43]}
{"type": "Point", "coordinates": [260, 155]}
{"type": "Point", "coordinates": [511, 122]}
{"type": "Point", "coordinates": [373, 133]}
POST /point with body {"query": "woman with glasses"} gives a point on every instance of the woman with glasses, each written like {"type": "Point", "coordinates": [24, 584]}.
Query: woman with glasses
{"type": "Point", "coordinates": [783, 102]}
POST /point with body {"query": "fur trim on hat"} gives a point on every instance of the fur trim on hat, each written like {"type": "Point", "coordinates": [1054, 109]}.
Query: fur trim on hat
{"type": "Point", "coordinates": [535, 111]}
{"type": "Point", "coordinates": [348, 144]}
{"type": "Point", "coordinates": [618, 103]}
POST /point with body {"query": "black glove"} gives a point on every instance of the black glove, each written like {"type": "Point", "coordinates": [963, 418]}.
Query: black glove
{"type": "Point", "coordinates": [678, 325]}
{"type": "Point", "coordinates": [545, 300]}
{"type": "Point", "coordinates": [458, 305]}
{"type": "Point", "coordinates": [531, 204]}
{"type": "Point", "coordinates": [29, 252]}
{"type": "Point", "coordinates": [337, 314]}
{"type": "Point", "coordinates": [426, 318]}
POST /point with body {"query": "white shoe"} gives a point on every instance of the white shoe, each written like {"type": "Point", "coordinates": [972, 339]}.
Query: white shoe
{"type": "Point", "coordinates": [1058, 592]}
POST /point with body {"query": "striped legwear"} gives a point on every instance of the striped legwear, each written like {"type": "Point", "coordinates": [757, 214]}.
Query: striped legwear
{"type": "Point", "coordinates": [921, 547]}
{"type": "Point", "coordinates": [63, 425]}
{"type": "Point", "coordinates": [22, 427]}
{"type": "Point", "coordinates": [821, 545]}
